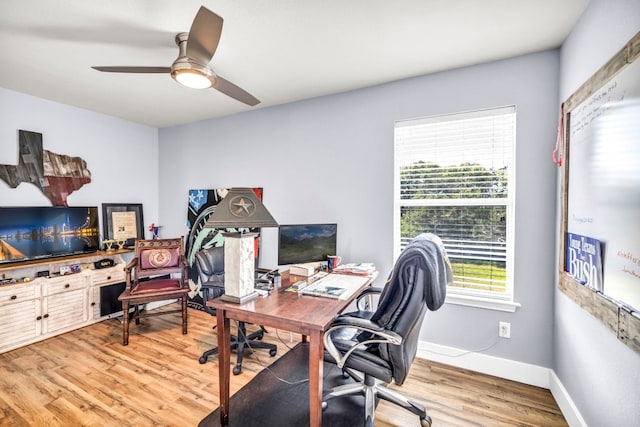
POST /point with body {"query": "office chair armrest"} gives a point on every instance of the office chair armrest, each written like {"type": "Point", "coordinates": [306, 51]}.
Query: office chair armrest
{"type": "Point", "coordinates": [363, 300]}
{"type": "Point", "coordinates": [379, 335]}
{"type": "Point", "coordinates": [347, 321]}
{"type": "Point", "coordinates": [213, 284]}
{"type": "Point", "coordinates": [217, 288]}
{"type": "Point", "coordinates": [212, 288]}
{"type": "Point", "coordinates": [213, 280]}
{"type": "Point", "coordinates": [364, 325]}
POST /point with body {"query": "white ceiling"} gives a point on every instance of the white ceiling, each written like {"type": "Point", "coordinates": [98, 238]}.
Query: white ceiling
{"type": "Point", "coordinates": [279, 50]}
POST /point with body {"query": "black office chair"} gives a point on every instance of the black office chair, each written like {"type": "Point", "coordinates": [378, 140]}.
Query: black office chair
{"type": "Point", "coordinates": [377, 347]}
{"type": "Point", "coordinates": [210, 265]}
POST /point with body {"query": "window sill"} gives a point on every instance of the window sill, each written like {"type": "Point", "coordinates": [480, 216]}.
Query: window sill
{"type": "Point", "coordinates": [486, 303]}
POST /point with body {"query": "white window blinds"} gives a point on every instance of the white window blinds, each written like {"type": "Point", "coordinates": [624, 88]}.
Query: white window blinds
{"type": "Point", "coordinates": [455, 178]}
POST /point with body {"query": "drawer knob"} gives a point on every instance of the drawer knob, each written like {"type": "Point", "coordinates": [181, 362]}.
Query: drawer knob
{"type": "Point", "coordinates": [39, 318]}
{"type": "Point", "coordinates": [14, 297]}
{"type": "Point", "coordinates": [46, 315]}
{"type": "Point", "coordinates": [66, 286]}
{"type": "Point", "coordinates": [108, 277]}
{"type": "Point", "coordinates": [92, 304]}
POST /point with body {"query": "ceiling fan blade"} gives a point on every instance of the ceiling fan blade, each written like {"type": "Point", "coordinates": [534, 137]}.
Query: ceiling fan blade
{"type": "Point", "coordinates": [235, 92]}
{"type": "Point", "coordinates": [204, 35]}
{"type": "Point", "coordinates": [134, 69]}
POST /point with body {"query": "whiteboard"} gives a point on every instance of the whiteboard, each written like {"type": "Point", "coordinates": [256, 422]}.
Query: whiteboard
{"type": "Point", "coordinates": [603, 197]}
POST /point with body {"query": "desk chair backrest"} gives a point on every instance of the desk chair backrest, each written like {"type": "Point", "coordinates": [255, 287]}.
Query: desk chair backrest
{"type": "Point", "coordinates": [210, 264]}
{"type": "Point", "coordinates": [159, 257]}
{"type": "Point", "coordinates": [418, 281]}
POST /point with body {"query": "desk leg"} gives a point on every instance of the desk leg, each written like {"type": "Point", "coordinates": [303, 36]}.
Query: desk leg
{"type": "Point", "coordinates": [224, 353]}
{"type": "Point", "coordinates": [316, 360]}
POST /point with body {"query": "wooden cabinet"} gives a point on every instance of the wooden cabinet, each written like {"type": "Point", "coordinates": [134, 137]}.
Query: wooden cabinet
{"type": "Point", "coordinates": [20, 306]}
{"type": "Point", "coordinates": [100, 279]}
{"type": "Point", "coordinates": [43, 307]}
{"type": "Point", "coordinates": [64, 303]}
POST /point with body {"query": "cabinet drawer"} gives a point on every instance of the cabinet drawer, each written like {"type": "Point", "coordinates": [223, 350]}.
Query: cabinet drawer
{"type": "Point", "coordinates": [63, 284]}
{"type": "Point", "coordinates": [16, 293]}
{"type": "Point", "coordinates": [109, 275]}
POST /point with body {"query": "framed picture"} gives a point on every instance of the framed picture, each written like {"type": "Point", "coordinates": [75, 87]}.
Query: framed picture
{"type": "Point", "coordinates": [122, 221]}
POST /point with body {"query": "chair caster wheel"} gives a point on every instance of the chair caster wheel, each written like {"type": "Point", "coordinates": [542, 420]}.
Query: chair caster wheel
{"type": "Point", "coordinates": [202, 360]}
{"type": "Point", "coordinates": [426, 421]}
{"type": "Point", "coordinates": [237, 370]}
{"type": "Point", "coordinates": [272, 352]}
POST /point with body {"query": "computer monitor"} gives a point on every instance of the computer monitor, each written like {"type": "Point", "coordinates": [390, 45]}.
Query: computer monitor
{"type": "Point", "coordinates": [304, 243]}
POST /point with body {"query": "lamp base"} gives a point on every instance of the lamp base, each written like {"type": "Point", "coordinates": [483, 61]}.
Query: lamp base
{"type": "Point", "coordinates": [240, 300]}
{"type": "Point", "coordinates": [239, 265]}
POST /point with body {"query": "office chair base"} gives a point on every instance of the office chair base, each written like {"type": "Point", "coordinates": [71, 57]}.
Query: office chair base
{"type": "Point", "coordinates": [251, 341]}
{"type": "Point", "coordinates": [372, 389]}
{"type": "Point", "coordinates": [206, 354]}
{"type": "Point", "coordinates": [240, 343]}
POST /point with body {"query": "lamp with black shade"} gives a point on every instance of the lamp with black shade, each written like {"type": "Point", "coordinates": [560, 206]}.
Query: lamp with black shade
{"type": "Point", "coordinates": [240, 209]}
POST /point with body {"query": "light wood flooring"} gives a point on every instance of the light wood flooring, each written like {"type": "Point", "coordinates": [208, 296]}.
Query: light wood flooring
{"type": "Point", "coordinates": [88, 378]}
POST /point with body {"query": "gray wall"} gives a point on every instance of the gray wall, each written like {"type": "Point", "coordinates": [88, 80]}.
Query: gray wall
{"type": "Point", "coordinates": [330, 159]}
{"type": "Point", "coordinates": [601, 374]}
{"type": "Point", "coordinates": [122, 156]}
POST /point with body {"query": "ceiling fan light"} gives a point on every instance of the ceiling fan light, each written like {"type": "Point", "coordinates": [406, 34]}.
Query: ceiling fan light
{"type": "Point", "coordinates": [192, 78]}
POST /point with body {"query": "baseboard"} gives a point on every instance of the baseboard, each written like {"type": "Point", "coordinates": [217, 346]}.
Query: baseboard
{"type": "Point", "coordinates": [508, 369]}
{"type": "Point", "coordinates": [565, 403]}
{"type": "Point", "coordinates": [491, 365]}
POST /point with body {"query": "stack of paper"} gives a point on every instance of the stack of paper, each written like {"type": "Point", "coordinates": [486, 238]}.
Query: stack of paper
{"type": "Point", "coordinates": [359, 269]}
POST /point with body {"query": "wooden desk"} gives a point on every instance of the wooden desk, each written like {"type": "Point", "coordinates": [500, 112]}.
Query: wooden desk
{"type": "Point", "coordinates": [305, 315]}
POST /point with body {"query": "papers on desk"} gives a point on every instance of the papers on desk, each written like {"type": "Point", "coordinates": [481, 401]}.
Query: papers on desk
{"type": "Point", "coordinates": [359, 269]}
{"type": "Point", "coordinates": [337, 286]}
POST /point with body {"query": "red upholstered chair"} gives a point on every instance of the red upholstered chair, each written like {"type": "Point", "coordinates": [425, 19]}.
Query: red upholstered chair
{"type": "Point", "coordinates": [147, 281]}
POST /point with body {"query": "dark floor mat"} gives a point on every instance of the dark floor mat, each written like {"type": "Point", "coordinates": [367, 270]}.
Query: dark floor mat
{"type": "Point", "coordinates": [266, 401]}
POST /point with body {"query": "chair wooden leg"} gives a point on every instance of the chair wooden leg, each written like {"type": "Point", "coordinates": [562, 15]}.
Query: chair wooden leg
{"type": "Point", "coordinates": [184, 315]}
{"type": "Point", "coordinates": [125, 323]}
{"type": "Point", "coordinates": [136, 314]}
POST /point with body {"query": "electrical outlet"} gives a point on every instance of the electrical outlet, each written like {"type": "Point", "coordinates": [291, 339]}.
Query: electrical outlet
{"type": "Point", "coordinates": [504, 329]}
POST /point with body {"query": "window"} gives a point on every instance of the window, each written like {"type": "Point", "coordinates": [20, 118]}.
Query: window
{"type": "Point", "coordinates": [455, 177]}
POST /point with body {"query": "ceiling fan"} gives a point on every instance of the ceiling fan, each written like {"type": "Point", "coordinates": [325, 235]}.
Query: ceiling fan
{"type": "Point", "coordinates": [191, 68]}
